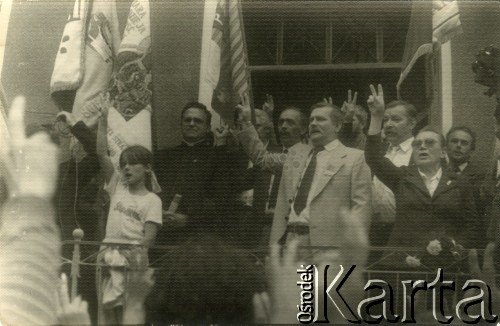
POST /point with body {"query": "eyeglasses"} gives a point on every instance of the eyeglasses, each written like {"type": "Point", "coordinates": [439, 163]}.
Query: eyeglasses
{"type": "Point", "coordinates": [429, 142]}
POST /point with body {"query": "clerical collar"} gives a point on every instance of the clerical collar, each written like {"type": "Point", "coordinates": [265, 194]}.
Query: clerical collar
{"type": "Point", "coordinates": [193, 144]}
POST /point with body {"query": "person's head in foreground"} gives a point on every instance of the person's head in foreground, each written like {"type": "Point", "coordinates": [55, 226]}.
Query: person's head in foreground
{"type": "Point", "coordinates": [205, 281]}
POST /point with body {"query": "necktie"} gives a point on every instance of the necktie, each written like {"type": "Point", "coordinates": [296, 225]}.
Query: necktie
{"type": "Point", "coordinates": [496, 173]}
{"type": "Point", "coordinates": [306, 183]}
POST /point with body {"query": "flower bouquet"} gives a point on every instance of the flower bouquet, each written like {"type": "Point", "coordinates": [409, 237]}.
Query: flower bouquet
{"type": "Point", "coordinates": [443, 253]}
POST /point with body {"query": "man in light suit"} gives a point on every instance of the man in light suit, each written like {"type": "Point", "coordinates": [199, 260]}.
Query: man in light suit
{"type": "Point", "coordinates": [318, 181]}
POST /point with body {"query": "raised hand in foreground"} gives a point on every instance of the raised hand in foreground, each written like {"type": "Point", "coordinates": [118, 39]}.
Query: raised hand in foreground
{"type": "Point", "coordinates": [70, 312]}
{"type": "Point", "coordinates": [29, 164]}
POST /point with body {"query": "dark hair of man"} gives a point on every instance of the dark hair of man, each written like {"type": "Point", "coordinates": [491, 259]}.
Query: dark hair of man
{"type": "Point", "coordinates": [336, 115]}
{"type": "Point", "coordinates": [410, 109]}
{"type": "Point", "coordinates": [465, 129]}
{"type": "Point", "coordinates": [205, 281]}
{"type": "Point", "coordinates": [442, 140]}
{"type": "Point", "coordinates": [362, 114]}
{"type": "Point", "coordinates": [303, 117]}
{"type": "Point", "coordinates": [201, 107]}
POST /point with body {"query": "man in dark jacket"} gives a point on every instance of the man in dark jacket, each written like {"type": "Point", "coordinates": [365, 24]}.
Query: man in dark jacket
{"type": "Point", "coordinates": [197, 180]}
{"type": "Point", "coordinates": [430, 204]}
{"type": "Point", "coordinates": [460, 145]}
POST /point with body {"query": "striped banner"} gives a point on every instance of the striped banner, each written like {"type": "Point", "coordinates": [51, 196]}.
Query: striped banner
{"type": "Point", "coordinates": [227, 67]}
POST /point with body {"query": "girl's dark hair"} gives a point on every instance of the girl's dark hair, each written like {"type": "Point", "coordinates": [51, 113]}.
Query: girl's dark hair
{"type": "Point", "coordinates": [138, 154]}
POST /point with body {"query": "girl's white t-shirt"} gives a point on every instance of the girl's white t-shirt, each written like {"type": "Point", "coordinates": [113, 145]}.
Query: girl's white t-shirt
{"type": "Point", "coordinates": [128, 213]}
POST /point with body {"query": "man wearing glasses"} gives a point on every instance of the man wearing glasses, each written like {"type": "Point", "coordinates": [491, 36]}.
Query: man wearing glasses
{"type": "Point", "coordinates": [429, 204]}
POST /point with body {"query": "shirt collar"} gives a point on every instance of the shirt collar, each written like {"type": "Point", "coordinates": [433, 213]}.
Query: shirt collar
{"type": "Point", "coordinates": [463, 166]}
{"type": "Point", "coordinates": [406, 145]}
{"type": "Point", "coordinates": [436, 176]}
{"type": "Point", "coordinates": [332, 145]}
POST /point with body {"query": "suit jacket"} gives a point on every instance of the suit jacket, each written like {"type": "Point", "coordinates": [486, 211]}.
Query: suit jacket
{"type": "Point", "coordinates": [490, 202]}
{"type": "Point", "coordinates": [205, 177]}
{"type": "Point", "coordinates": [474, 173]}
{"type": "Point", "coordinates": [421, 218]}
{"type": "Point", "coordinates": [346, 183]}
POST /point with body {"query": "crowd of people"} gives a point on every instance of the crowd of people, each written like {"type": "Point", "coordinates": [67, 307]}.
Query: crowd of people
{"type": "Point", "coordinates": [326, 185]}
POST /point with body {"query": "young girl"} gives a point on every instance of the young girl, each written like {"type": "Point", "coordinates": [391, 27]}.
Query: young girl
{"type": "Point", "coordinates": [135, 215]}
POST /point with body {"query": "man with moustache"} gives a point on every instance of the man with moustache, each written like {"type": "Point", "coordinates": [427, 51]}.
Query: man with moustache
{"type": "Point", "coordinates": [292, 128]}
{"type": "Point", "coordinates": [399, 122]}
{"type": "Point", "coordinates": [429, 203]}
{"type": "Point", "coordinates": [319, 181]}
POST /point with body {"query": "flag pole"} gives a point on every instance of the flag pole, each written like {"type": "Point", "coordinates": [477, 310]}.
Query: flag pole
{"type": "Point", "coordinates": [5, 9]}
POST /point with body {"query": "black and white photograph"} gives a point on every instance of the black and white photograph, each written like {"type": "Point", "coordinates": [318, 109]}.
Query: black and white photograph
{"type": "Point", "coordinates": [221, 162]}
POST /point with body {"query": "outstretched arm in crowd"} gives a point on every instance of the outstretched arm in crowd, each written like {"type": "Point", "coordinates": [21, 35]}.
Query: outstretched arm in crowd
{"type": "Point", "coordinates": [70, 312]}
{"type": "Point", "coordinates": [29, 238]}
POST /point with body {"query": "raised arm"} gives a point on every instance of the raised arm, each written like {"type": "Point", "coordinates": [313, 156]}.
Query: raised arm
{"type": "Point", "coordinates": [382, 167]}
{"type": "Point", "coordinates": [102, 144]}
{"type": "Point", "coordinates": [346, 134]}
{"type": "Point", "coordinates": [376, 105]}
{"type": "Point", "coordinates": [251, 143]}
{"type": "Point", "coordinates": [81, 129]}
